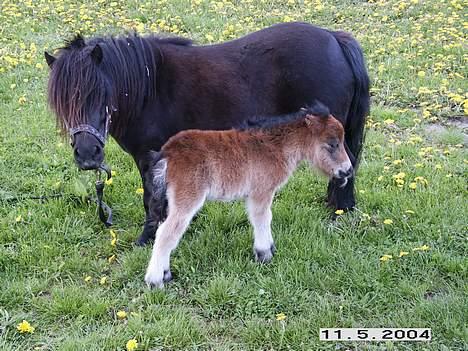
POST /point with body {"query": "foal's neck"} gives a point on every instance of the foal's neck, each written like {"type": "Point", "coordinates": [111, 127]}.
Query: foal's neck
{"type": "Point", "coordinates": [291, 140]}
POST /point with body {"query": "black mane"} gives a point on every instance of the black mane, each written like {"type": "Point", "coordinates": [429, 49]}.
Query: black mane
{"type": "Point", "coordinates": [124, 80]}
{"type": "Point", "coordinates": [262, 122]}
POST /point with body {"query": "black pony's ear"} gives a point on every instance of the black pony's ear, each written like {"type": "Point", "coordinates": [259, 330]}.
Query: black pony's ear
{"type": "Point", "coordinates": [96, 54]}
{"type": "Point", "coordinates": [49, 58]}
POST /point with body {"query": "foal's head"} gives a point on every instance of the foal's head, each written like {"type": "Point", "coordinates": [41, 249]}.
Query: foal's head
{"type": "Point", "coordinates": [327, 151]}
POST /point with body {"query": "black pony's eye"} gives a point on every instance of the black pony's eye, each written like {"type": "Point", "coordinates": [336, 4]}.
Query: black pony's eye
{"type": "Point", "coordinates": [333, 146]}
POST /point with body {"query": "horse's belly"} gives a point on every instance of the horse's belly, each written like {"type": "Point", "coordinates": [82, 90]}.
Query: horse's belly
{"type": "Point", "coordinates": [228, 191]}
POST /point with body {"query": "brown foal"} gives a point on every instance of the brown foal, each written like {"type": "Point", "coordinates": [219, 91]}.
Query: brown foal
{"type": "Point", "coordinates": [251, 164]}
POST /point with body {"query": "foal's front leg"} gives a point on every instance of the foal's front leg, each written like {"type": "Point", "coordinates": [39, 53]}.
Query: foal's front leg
{"type": "Point", "coordinates": [259, 210]}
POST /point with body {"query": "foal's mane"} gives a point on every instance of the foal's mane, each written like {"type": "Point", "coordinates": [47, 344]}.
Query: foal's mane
{"type": "Point", "coordinates": [262, 122]}
{"type": "Point", "coordinates": [121, 74]}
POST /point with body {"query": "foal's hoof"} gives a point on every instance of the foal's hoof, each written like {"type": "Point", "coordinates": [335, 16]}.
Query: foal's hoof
{"type": "Point", "coordinates": [167, 277]}
{"type": "Point", "coordinates": [265, 256]}
{"type": "Point", "coordinates": [157, 283]}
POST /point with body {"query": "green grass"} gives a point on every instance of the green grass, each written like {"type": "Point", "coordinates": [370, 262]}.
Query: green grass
{"type": "Point", "coordinates": [325, 274]}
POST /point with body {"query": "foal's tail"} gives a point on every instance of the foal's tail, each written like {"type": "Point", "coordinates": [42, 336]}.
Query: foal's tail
{"type": "Point", "coordinates": [157, 168]}
{"type": "Point", "coordinates": [359, 109]}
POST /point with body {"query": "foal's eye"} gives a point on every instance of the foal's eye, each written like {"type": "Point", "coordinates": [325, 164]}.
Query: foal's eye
{"type": "Point", "coordinates": [333, 146]}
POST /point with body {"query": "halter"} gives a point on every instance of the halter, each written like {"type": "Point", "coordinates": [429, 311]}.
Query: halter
{"type": "Point", "coordinates": [87, 128]}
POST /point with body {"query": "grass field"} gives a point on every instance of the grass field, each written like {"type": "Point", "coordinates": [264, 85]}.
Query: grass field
{"type": "Point", "coordinates": [62, 273]}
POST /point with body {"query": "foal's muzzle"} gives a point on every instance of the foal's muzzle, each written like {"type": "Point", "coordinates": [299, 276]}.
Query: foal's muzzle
{"type": "Point", "coordinates": [343, 176]}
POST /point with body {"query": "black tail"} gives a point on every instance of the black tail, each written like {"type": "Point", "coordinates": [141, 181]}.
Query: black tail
{"type": "Point", "coordinates": [359, 109]}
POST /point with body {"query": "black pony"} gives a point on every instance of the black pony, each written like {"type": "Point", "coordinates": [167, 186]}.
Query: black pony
{"type": "Point", "coordinates": [143, 90]}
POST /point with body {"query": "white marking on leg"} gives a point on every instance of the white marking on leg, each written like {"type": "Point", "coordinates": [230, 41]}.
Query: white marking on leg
{"type": "Point", "coordinates": [259, 211]}
{"type": "Point", "coordinates": [168, 236]}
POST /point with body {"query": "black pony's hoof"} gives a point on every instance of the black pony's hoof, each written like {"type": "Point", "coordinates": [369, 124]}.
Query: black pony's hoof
{"type": "Point", "coordinates": [143, 240]}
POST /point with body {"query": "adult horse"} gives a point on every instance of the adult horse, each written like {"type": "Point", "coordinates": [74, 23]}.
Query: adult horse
{"type": "Point", "coordinates": [143, 90]}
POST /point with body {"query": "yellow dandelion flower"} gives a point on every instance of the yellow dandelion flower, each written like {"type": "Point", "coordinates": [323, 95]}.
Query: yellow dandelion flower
{"type": "Point", "coordinates": [280, 316]}
{"type": "Point", "coordinates": [22, 100]}
{"type": "Point", "coordinates": [413, 185]}
{"type": "Point", "coordinates": [397, 162]}
{"type": "Point", "coordinates": [131, 345]}
{"type": "Point", "coordinates": [421, 180]}
{"type": "Point", "coordinates": [25, 327]}
{"type": "Point", "coordinates": [103, 280]}
{"type": "Point", "coordinates": [385, 258]}
{"type": "Point", "coordinates": [139, 191]}
{"type": "Point", "coordinates": [113, 233]}
{"type": "Point", "coordinates": [209, 37]}
{"type": "Point", "coordinates": [422, 248]}
{"type": "Point", "coordinates": [109, 181]}
{"type": "Point", "coordinates": [122, 314]}
{"type": "Point", "coordinates": [19, 218]}
{"type": "Point", "coordinates": [113, 173]}
{"type": "Point", "coordinates": [421, 74]}
{"type": "Point", "coordinates": [388, 221]}
{"type": "Point", "coordinates": [88, 279]}
{"type": "Point", "coordinates": [403, 253]}
{"type": "Point", "coordinates": [339, 212]}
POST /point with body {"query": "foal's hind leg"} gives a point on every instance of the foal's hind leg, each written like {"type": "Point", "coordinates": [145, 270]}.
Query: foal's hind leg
{"type": "Point", "coordinates": [259, 210]}
{"type": "Point", "coordinates": [168, 236]}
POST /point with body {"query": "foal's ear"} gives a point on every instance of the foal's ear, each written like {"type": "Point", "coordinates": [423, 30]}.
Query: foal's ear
{"type": "Point", "coordinates": [314, 122]}
{"type": "Point", "coordinates": [96, 54]}
{"type": "Point", "coordinates": [49, 58]}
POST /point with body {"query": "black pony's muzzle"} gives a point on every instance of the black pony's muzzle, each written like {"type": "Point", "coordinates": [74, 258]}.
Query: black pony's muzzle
{"type": "Point", "coordinates": [88, 151]}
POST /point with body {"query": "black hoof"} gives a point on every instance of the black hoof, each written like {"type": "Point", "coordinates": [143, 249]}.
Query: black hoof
{"type": "Point", "coordinates": [141, 241]}
{"type": "Point", "coordinates": [167, 277]}
{"type": "Point", "coordinates": [265, 256]}
{"type": "Point", "coordinates": [144, 239]}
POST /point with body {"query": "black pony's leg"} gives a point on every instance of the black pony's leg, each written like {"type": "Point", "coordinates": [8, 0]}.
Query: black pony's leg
{"type": "Point", "coordinates": [342, 198]}
{"type": "Point", "coordinates": [154, 208]}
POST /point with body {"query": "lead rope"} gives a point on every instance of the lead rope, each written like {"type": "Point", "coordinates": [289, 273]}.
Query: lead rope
{"type": "Point", "coordinates": [103, 208]}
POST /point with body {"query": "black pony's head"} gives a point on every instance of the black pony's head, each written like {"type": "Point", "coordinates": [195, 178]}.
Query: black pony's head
{"type": "Point", "coordinates": [92, 83]}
